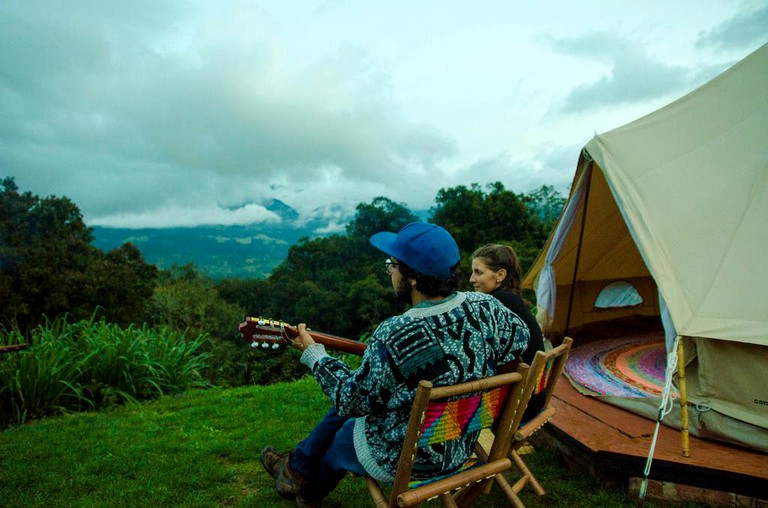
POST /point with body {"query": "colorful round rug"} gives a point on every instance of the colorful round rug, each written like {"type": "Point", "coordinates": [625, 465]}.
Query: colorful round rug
{"type": "Point", "coordinates": [626, 367]}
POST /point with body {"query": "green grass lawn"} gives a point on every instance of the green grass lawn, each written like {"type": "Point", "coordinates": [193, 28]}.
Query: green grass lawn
{"type": "Point", "coordinates": [202, 449]}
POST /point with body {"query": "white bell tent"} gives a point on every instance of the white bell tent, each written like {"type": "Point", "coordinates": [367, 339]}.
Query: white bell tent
{"type": "Point", "coordinates": [669, 213]}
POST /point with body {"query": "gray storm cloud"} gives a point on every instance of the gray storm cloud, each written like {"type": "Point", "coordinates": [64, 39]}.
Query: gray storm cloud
{"type": "Point", "coordinates": [171, 112]}
{"type": "Point", "coordinates": [87, 100]}
{"type": "Point", "coordinates": [631, 75]}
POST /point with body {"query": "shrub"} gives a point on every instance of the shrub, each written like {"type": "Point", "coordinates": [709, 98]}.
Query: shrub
{"type": "Point", "coordinates": [89, 365]}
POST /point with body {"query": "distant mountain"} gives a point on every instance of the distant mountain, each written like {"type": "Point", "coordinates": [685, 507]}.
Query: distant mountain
{"type": "Point", "coordinates": [282, 210]}
{"type": "Point", "coordinates": [241, 251]}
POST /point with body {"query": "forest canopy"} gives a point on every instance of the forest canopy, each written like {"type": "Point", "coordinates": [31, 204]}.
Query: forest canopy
{"type": "Point", "coordinates": [50, 268]}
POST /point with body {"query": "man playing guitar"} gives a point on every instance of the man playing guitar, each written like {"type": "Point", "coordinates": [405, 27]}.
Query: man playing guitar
{"type": "Point", "coordinates": [446, 337]}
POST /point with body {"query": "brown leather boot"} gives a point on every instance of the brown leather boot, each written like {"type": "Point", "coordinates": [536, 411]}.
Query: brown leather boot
{"type": "Point", "coordinates": [288, 483]}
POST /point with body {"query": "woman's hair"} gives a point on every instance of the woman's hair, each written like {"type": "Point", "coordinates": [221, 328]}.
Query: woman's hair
{"type": "Point", "coordinates": [497, 257]}
{"type": "Point", "coordinates": [432, 286]}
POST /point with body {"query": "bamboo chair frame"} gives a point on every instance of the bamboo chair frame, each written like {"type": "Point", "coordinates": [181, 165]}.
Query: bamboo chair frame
{"type": "Point", "coordinates": [557, 357]}
{"type": "Point", "coordinates": [461, 488]}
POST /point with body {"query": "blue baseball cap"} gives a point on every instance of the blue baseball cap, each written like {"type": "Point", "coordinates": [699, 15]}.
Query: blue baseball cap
{"type": "Point", "coordinates": [427, 248]}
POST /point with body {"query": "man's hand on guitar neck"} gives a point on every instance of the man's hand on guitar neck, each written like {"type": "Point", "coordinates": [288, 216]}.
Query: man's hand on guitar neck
{"type": "Point", "coordinates": [303, 340]}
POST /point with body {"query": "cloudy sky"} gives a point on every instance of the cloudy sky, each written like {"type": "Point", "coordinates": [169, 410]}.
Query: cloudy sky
{"type": "Point", "coordinates": [160, 113]}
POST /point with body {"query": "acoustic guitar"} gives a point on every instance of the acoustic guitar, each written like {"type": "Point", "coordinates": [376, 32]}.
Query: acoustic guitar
{"type": "Point", "coordinates": [271, 333]}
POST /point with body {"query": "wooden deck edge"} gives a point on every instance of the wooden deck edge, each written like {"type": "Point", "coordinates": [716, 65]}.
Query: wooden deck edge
{"type": "Point", "coordinates": [672, 481]}
{"type": "Point", "coordinates": [681, 493]}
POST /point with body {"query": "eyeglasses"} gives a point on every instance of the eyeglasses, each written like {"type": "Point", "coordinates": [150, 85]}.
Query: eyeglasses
{"type": "Point", "coordinates": [390, 265]}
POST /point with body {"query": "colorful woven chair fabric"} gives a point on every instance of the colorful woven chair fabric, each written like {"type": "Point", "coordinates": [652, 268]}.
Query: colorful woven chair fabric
{"type": "Point", "coordinates": [446, 421]}
{"type": "Point", "coordinates": [543, 378]}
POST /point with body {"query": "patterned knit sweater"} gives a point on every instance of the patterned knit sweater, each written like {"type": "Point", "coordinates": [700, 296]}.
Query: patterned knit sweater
{"type": "Point", "coordinates": [462, 338]}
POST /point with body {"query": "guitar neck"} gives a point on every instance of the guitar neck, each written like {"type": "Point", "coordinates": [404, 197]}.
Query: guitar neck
{"type": "Point", "coordinates": [13, 347]}
{"type": "Point", "coordinates": [330, 341]}
{"type": "Point", "coordinates": [269, 331]}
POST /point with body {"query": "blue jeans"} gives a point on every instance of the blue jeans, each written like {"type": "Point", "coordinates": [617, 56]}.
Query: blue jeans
{"type": "Point", "coordinates": [326, 455]}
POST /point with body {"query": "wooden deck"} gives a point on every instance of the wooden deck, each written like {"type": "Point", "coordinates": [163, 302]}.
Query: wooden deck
{"type": "Point", "coordinates": [614, 444]}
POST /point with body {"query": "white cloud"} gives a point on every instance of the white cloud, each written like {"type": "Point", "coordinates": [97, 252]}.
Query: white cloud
{"type": "Point", "coordinates": [185, 216]}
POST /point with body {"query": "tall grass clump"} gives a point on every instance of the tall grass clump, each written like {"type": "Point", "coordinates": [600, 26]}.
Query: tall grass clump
{"type": "Point", "coordinates": [93, 364]}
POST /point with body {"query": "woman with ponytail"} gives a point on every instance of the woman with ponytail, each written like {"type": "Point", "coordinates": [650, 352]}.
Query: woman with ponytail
{"type": "Point", "coordinates": [496, 271]}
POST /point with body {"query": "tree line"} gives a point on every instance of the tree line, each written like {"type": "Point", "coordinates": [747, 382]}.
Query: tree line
{"type": "Point", "coordinates": [337, 284]}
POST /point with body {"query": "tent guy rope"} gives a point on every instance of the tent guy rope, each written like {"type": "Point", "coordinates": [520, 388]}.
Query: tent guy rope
{"type": "Point", "coordinates": [665, 408]}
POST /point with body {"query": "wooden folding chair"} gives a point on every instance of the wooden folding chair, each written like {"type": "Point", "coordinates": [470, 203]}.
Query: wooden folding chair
{"type": "Point", "coordinates": [542, 378]}
{"type": "Point", "coordinates": [445, 413]}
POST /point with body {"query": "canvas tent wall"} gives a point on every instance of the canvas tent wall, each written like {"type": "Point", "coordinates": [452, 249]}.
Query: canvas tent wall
{"type": "Point", "coordinates": [676, 204]}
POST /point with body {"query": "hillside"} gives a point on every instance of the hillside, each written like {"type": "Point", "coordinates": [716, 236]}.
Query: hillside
{"type": "Point", "coordinates": [238, 251]}
{"type": "Point", "coordinates": [219, 251]}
